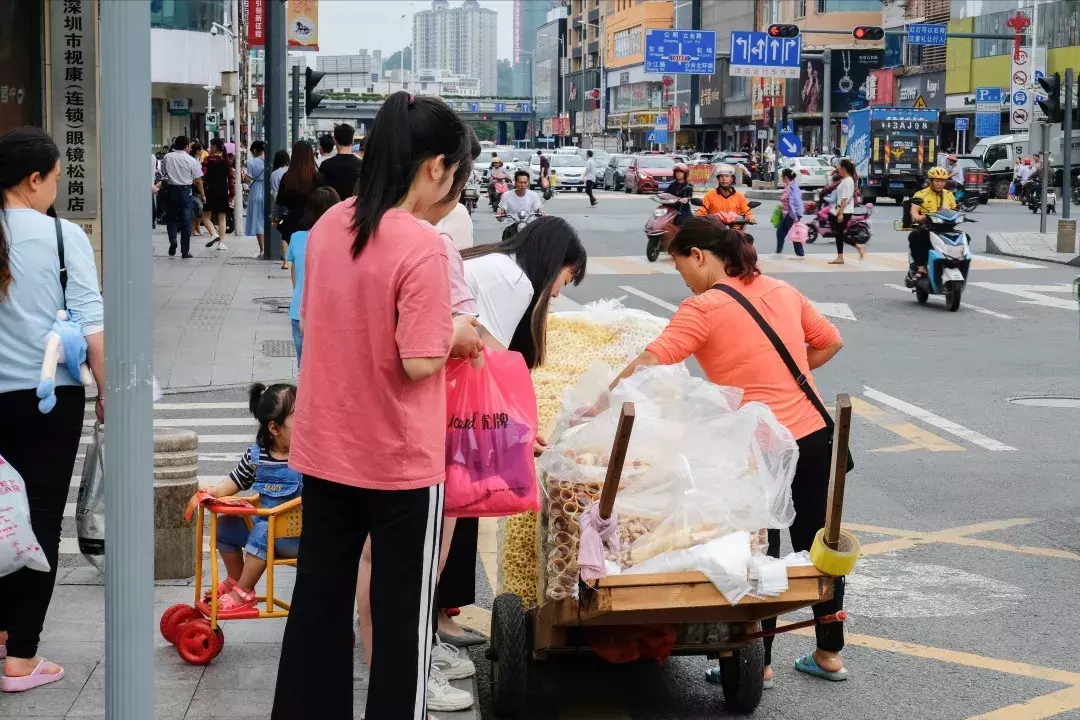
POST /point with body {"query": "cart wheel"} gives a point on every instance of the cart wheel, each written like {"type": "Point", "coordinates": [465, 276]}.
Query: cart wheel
{"type": "Point", "coordinates": [173, 618]}
{"type": "Point", "coordinates": [509, 647]}
{"type": "Point", "coordinates": [741, 677]}
{"type": "Point", "coordinates": [197, 644]}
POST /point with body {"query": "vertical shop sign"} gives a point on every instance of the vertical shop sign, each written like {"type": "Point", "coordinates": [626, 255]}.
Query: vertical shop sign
{"type": "Point", "coordinates": [303, 29]}
{"type": "Point", "coordinates": [256, 22]}
{"type": "Point", "coordinates": [73, 106]}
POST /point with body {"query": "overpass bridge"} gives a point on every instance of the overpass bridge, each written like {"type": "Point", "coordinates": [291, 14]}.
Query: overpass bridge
{"type": "Point", "coordinates": [495, 109]}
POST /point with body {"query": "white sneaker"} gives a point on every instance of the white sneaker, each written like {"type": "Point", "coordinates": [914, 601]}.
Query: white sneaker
{"type": "Point", "coordinates": [796, 257]}
{"type": "Point", "coordinates": [222, 246]}
{"type": "Point", "coordinates": [450, 661]}
{"type": "Point", "coordinates": [444, 697]}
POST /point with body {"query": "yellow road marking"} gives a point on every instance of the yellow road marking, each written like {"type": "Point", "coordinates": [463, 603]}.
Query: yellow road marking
{"type": "Point", "coordinates": [907, 539]}
{"type": "Point", "coordinates": [1021, 549]}
{"type": "Point", "coordinates": [886, 546]}
{"type": "Point", "coordinates": [917, 438]}
{"type": "Point", "coordinates": [1043, 706]}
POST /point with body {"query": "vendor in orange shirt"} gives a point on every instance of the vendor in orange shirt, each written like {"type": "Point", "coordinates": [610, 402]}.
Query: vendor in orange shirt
{"type": "Point", "coordinates": [733, 350]}
{"type": "Point", "coordinates": [725, 197]}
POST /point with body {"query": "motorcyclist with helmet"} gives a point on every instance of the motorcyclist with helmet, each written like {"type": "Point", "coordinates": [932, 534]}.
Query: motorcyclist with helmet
{"type": "Point", "coordinates": [934, 197]}
{"type": "Point", "coordinates": [496, 174]}
{"type": "Point", "coordinates": [725, 198]}
{"type": "Point", "coordinates": [681, 188]}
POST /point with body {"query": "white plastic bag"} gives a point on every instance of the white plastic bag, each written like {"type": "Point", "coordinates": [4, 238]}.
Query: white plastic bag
{"type": "Point", "coordinates": [90, 508]}
{"type": "Point", "coordinates": [18, 546]}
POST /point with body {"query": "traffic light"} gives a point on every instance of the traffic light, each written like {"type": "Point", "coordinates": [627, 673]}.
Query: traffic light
{"type": "Point", "coordinates": [868, 32]}
{"type": "Point", "coordinates": [1051, 85]}
{"type": "Point", "coordinates": [311, 98]}
{"type": "Point", "coordinates": [783, 31]}
{"type": "Point", "coordinates": [784, 117]}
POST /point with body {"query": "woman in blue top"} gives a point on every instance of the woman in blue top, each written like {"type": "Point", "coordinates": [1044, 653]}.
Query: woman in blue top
{"type": "Point", "coordinates": [40, 446]}
{"type": "Point", "coordinates": [320, 201]}
{"type": "Point", "coordinates": [791, 203]}
{"type": "Point", "coordinates": [256, 207]}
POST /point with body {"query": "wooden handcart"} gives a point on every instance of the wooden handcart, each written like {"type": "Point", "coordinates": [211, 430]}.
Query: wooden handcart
{"type": "Point", "coordinates": [521, 637]}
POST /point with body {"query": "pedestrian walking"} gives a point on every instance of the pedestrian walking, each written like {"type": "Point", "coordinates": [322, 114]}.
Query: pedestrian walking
{"type": "Point", "coordinates": [321, 200]}
{"type": "Point", "coordinates": [184, 176]}
{"type": "Point", "coordinates": [841, 211]}
{"type": "Point", "coordinates": [791, 205]}
{"type": "Point", "coordinates": [342, 171]}
{"type": "Point", "coordinates": [281, 166]}
{"type": "Point", "coordinates": [590, 176]}
{"type": "Point", "coordinates": [724, 328]}
{"type": "Point", "coordinates": [374, 267]}
{"type": "Point", "coordinates": [255, 219]}
{"type": "Point", "coordinates": [770, 161]}
{"type": "Point", "coordinates": [46, 265]}
{"type": "Point", "coordinates": [218, 186]}
{"type": "Point", "coordinates": [297, 184]}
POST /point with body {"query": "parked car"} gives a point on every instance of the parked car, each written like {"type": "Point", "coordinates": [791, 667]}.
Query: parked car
{"type": "Point", "coordinates": [649, 173]}
{"type": "Point", "coordinates": [736, 158]}
{"type": "Point", "coordinates": [615, 172]}
{"type": "Point", "coordinates": [812, 172]}
{"type": "Point", "coordinates": [570, 170]}
{"type": "Point", "coordinates": [701, 158]}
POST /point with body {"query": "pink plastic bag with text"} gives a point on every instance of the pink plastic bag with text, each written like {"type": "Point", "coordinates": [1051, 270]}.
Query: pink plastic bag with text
{"type": "Point", "coordinates": [18, 546]}
{"type": "Point", "coordinates": [491, 425]}
{"type": "Point", "coordinates": [798, 233]}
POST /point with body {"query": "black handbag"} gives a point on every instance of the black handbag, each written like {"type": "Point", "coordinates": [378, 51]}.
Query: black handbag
{"type": "Point", "coordinates": [792, 366]}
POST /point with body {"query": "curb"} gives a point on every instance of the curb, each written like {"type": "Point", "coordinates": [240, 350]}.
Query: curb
{"type": "Point", "coordinates": [993, 249]}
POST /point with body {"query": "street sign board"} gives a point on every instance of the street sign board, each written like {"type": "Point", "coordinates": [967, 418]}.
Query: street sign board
{"type": "Point", "coordinates": [1022, 75]}
{"type": "Point", "coordinates": [660, 130]}
{"type": "Point", "coordinates": [681, 52]}
{"type": "Point", "coordinates": [987, 111]}
{"type": "Point", "coordinates": [961, 124]}
{"type": "Point", "coordinates": [212, 121]}
{"type": "Point", "coordinates": [927, 34]}
{"type": "Point", "coordinates": [755, 54]}
{"type": "Point", "coordinates": [500, 107]}
{"type": "Point", "coordinates": [790, 144]}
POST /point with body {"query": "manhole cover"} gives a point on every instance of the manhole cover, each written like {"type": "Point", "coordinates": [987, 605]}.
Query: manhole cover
{"type": "Point", "coordinates": [278, 348]}
{"type": "Point", "coordinates": [1047, 401]}
{"type": "Point", "coordinates": [274, 304]}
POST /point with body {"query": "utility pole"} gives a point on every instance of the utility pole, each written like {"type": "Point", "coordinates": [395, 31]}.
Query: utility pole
{"type": "Point", "coordinates": [129, 352]}
{"type": "Point", "coordinates": [274, 109]}
{"type": "Point", "coordinates": [296, 102]}
{"type": "Point", "coordinates": [1066, 145]}
{"type": "Point", "coordinates": [239, 108]}
{"type": "Point", "coordinates": [1043, 176]}
{"type": "Point", "coordinates": [826, 102]}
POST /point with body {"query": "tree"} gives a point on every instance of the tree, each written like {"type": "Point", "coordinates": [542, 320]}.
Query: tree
{"type": "Point", "coordinates": [485, 130]}
{"type": "Point", "coordinates": [394, 61]}
{"type": "Point", "coordinates": [506, 78]}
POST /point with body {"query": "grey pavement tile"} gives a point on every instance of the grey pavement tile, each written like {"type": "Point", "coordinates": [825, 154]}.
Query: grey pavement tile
{"type": "Point", "coordinates": [66, 651]}
{"type": "Point", "coordinates": [210, 702]}
{"type": "Point", "coordinates": [171, 700]}
{"type": "Point", "coordinates": [42, 702]}
{"type": "Point", "coordinates": [254, 672]}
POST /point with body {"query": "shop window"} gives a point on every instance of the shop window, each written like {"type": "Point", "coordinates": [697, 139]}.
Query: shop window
{"type": "Point", "coordinates": [834, 6]}
{"type": "Point", "coordinates": [800, 8]}
{"type": "Point", "coordinates": [21, 61]}
{"type": "Point", "coordinates": [193, 15]}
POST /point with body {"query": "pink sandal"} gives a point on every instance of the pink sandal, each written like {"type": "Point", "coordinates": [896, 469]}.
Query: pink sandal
{"type": "Point", "coordinates": [224, 587]}
{"type": "Point", "coordinates": [37, 678]}
{"type": "Point", "coordinates": [227, 605]}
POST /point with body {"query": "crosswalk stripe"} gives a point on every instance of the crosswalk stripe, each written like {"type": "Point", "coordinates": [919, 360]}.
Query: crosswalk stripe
{"type": "Point", "coordinates": [197, 422]}
{"type": "Point", "coordinates": [203, 439]}
{"type": "Point", "coordinates": [939, 422]}
{"type": "Point", "coordinates": [969, 306]}
{"type": "Point", "coordinates": [202, 406]}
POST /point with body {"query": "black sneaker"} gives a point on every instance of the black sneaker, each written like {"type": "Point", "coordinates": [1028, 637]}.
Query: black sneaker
{"type": "Point", "coordinates": [172, 250]}
{"type": "Point", "coordinates": [212, 241]}
{"type": "Point", "coordinates": [187, 256]}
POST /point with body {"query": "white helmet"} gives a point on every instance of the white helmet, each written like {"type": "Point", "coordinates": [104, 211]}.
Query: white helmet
{"type": "Point", "coordinates": [725, 169]}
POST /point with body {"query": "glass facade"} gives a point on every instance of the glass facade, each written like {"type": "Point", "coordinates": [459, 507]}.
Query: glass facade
{"type": "Point", "coordinates": [995, 23]}
{"type": "Point", "coordinates": [1059, 24]}
{"type": "Point", "coordinates": [21, 62]}
{"type": "Point", "coordinates": [834, 6]}
{"type": "Point", "coordinates": [196, 15]}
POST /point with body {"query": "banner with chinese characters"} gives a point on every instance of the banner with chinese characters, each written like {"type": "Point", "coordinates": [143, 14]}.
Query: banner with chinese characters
{"type": "Point", "coordinates": [256, 22]}
{"type": "Point", "coordinates": [73, 106]}
{"type": "Point", "coordinates": [303, 25]}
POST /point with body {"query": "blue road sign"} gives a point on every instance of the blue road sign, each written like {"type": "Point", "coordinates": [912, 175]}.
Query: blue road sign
{"type": "Point", "coordinates": [988, 95]}
{"type": "Point", "coordinates": [988, 111]}
{"type": "Point", "coordinates": [680, 52]}
{"type": "Point", "coordinates": [1020, 97]}
{"type": "Point", "coordinates": [660, 130]}
{"type": "Point", "coordinates": [757, 54]}
{"type": "Point", "coordinates": [474, 107]}
{"type": "Point", "coordinates": [500, 107]}
{"type": "Point", "coordinates": [925, 34]}
{"type": "Point", "coordinates": [790, 145]}
{"type": "Point", "coordinates": [524, 107]}
{"type": "Point", "coordinates": [987, 124]}
{"type": "Point", "coordinates": [961, 124]}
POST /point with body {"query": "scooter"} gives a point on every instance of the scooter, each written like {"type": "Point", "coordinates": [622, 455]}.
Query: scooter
{"type": "Point", "coordinates": [470, 194]}
{"type": "Point", "coordinates": [949, 259]}
{"type": "Point", "coordinates": [497, 185]}
{"type": "Point", "coordinates": [517, 223]}
{"type": "Point", "coordinates": [660, 228]}
{"type": "Point", "coordinates": [1034, 200]}
{"type": "Point", "coordinates": [858, 224]}
{"type": "Point", "coordinates": [733, 220]}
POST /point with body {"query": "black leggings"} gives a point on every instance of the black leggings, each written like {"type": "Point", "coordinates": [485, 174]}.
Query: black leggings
{"type": "Point", "coordinates": [809, 492]}
{"type": "Point", "coordinates": [41, 448]}
{"type": "Point", "coordinates": [839, 227]}
{"type": "Point", "coordinates": [919, 244]}
{"type": "Point", "coordinates": [457, 584]}
{"type": "Point", "coordinates": [315, 673]}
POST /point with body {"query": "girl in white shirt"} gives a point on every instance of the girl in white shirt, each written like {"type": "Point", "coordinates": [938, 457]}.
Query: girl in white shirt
{"type": "Point", "coordinates": [841, 211]}
{"type": "Point", "coordinates": [513, 282]}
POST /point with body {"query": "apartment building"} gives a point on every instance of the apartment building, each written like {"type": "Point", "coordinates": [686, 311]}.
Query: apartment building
{"type": "Point", "coordinates": [461, 40]}
{"type": "Point", "coordinates": [634, 98]}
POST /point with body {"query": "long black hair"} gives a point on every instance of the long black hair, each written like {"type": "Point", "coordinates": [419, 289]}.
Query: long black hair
{"type": "Point", "coordinates": [270, 404]}
{"type": "Point", "coordinates": [302, 176]}
{"type": "Point", "coordinates": [23, 152]}
{"type": "Point", "coordinates": [407, 132]}
{"type": "Point", "coordinates": [321, 200]}
{"type": "Point", "coordinates": [542, 249]}
{"type": "Point", "coordinates": [464, 168]}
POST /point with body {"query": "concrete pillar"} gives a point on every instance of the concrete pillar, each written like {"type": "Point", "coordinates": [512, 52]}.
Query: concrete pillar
{"type": "Point", "coordinates": [521, 129]}
{"type": "Point", "coordinates": [176, 478]}
{"type": "Point", "coordinates": [1066, 234]}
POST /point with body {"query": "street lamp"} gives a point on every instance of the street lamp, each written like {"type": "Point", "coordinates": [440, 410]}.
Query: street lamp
{"type": "Point", "coordinates": [241, 99]}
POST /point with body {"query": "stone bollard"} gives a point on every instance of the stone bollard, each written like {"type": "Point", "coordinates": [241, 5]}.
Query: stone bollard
{"type": "Point", "coordinates": [1066, 236]}
{"type": "Point", "coordinates": [176, 478]}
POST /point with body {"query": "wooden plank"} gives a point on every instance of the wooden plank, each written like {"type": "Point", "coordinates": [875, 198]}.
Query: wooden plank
{"type": "Point", "coordinates": [701, 595]}
{"type": "Point", "coordinates": [838, 472]}
{"type": "Point", "coordinates": [618, 457]}
{"type": "Point", "coordinates": [691, 576]}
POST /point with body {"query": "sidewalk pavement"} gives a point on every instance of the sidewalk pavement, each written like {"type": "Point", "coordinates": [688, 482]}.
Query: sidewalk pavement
{"type": "Point", "coordinates": [220, 318]}
{"type": "Point", "coordinates": [237, 685]}
{"type": "Point", "coordinates": [1030, 245]}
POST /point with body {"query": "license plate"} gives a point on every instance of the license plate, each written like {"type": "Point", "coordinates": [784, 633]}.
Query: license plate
{"type": "Point", "coordinates": [951, 274]}
{"type": "Point", "coordinates": [896, 185]}
{"type": "Point", "coordinates": [902, 166]}
{"type": "Point", "coordinates": [664, 186]}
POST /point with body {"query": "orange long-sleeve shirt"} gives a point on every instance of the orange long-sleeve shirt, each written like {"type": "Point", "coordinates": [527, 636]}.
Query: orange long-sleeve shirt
{"type": "Point", "coordinates": [733, 351]}
{"type": "Point", "coordinates": [714, 203]}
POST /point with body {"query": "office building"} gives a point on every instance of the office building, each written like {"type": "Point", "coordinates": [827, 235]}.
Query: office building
{"type": "Point", "coordinates": [350, 73]}
{"type": "Point", "coordinates": [461, 40]}
{"type": "Point", "coordinates": [529, 15]}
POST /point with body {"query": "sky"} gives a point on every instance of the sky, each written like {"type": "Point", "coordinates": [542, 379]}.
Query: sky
{"type": "Point", "coordinates": [345, 26]}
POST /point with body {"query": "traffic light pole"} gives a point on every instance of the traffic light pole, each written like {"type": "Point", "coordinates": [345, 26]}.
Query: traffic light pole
{"type": "Point", "coordinates": [826, 101]}
{"type": "Point", "coordinates": [274, 109]}
{"type": "Point", "coordinates": [1043, 179]}
{"type": "Point", "coordinates": [296, 102]}
{"type": "Point", "coordinates": [1066, 146]}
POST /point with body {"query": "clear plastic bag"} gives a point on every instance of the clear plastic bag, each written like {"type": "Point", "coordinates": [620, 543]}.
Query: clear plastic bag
{"type": "Point", "coordinates": [19, 547]}
{"type": "Point", "coordinates": [90, 507]}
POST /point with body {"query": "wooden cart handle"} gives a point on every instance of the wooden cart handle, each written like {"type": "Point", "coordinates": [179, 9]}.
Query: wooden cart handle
{"type": "Point", "coordinates": [618, 457]}
{"type": "Point", "coordinates": [838, 472]}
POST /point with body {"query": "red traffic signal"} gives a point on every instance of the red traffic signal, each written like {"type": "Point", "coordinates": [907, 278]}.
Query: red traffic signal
{"type": "Point", "coordinates": [868, 32]}
{"type": "Point", "coordinates": [783, 31]}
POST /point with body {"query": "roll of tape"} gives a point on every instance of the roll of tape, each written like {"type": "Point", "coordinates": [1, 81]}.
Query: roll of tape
{"type": "Point", "coordinates": [835, 562]}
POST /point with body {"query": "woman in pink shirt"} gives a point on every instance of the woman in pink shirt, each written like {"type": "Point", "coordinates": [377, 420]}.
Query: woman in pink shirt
{"type": "Point", "coordinates": [369, 432]}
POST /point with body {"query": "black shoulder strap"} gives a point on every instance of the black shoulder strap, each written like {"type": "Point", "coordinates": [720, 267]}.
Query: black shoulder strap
{"type": "Point", "coordinates": [60, 254]}
{"type": "Point", "coordinates": [781, 350]}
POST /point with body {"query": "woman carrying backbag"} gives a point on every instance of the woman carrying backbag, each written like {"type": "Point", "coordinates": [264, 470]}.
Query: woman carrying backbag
{"type": "Point", "coordinates": [724, 327]}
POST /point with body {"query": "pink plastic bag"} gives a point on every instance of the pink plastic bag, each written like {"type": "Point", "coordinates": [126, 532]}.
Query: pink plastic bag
{"type": "Point", "coordinates": [18, 546]}
{"type": "Point", "coordinates": [798, 233]}
{"type": "Point", "coordinates": [490, 430]}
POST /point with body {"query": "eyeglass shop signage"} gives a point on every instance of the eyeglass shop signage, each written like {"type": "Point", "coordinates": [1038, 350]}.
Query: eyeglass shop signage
{"type": "Point", "coordinates": [73, 109]}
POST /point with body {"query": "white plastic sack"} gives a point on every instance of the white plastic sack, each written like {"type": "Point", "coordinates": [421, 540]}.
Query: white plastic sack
{"type": "Point", "coordinates": [725, 561]}
{"type": "Point", "coordinates": [90, 507]}
{"type": "Point", "coordinates": [18, 546]}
